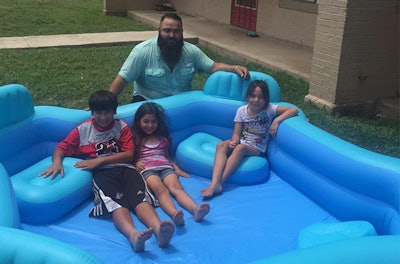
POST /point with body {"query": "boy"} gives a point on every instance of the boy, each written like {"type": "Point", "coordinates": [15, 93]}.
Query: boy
{"type": "Point", "coordinates": [106, 145]}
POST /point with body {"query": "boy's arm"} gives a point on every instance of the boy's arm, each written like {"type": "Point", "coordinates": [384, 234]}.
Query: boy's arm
{"type": "Point", "coordinates": [66, 147]}
{"type": "Point", "coordinates": [283, 113]}
{"type": "Point", "coordinates": [121, 157]}
{"type": "Point", "coordinates": [56, 165]}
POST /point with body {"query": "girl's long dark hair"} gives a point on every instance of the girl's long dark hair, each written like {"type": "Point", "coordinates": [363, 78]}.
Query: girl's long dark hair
{"type": "Point", "coordinates": [264, 90]}
{"type": "Point", "coordinates": [159, 112]}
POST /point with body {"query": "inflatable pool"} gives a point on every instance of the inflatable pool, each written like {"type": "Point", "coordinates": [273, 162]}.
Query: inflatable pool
{"type": "Point", "coordinates": [314, 199]}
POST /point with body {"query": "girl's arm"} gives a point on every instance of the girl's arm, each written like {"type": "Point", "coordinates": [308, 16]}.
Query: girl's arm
{"type": "Point", "coordinates": [139, 165]}
{"type": "Point", "coordinates": [237, 129]}
{"type": "Point", "coordinates": [177, 170]}
{"type": "Point", "coordinates": [283, 113]}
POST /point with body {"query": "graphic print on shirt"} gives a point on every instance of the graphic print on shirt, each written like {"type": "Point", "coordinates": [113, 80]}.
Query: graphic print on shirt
{"type": "Point", "coordinates": [256, 129]}
{"type": "Point", "coordinates": [109, 147]}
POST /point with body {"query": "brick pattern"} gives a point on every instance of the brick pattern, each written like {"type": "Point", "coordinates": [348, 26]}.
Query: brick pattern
{"type": "Point", "coordinates": [356, 52]}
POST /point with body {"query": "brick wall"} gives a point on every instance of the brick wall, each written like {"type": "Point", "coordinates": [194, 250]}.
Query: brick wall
{"type": "Point", "coordinates": [356, 54]}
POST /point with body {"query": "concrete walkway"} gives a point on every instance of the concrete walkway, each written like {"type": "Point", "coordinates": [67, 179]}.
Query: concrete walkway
{"type": "Point", "coordinates": [68, 40]}
{"type": "Point", "coordinates": [227, 40]}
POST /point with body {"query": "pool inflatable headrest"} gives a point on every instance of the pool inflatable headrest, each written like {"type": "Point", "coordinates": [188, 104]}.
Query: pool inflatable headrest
{"type": "Point", "coordinates": [231, 86]}
{"type": "Point", "coordinates": [16, 104]}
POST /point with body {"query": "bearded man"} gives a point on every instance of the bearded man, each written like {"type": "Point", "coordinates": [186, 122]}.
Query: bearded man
{"type": "Point", "coordinates": [165, 65]}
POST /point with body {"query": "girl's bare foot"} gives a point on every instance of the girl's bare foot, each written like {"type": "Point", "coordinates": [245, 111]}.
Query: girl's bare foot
{"type": "Point", "coordinates": [178, 218]}
{"type": "Point", "coordinates": [211, 191]}
{"type": "Point", "coordinates": [164, 234]}
{"type": "Point", "coordinates": [139, 238]}
{"type": "Point", "coordinates": [201, 211]}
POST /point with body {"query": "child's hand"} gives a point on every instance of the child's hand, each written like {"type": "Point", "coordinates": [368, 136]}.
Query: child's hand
{"type": "Point", "coordinates": [233, 144]}
{"type": "Point", "coordinates": [180, 172]}
{"type": "Point", "coordinates": [88, 164]}
{"type": "Point", "coordinates": [53, 171]}
{"type": "Point", "coordinates": [273, 128]}
{"type": "Point", "coordinates": [140, 166]}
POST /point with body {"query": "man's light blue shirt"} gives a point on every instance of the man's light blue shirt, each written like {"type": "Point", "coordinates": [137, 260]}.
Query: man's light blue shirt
{"type": "Point", "coordinates": [151, 75]}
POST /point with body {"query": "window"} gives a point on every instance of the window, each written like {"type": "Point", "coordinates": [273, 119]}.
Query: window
{"type": "Point", "coordinates": [309, 6]}
{"type": "Point", "coordinates": [246, 3]}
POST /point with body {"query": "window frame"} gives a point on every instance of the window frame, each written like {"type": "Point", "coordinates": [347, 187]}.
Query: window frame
{"type": "Point", "coordinates": [308, 6]}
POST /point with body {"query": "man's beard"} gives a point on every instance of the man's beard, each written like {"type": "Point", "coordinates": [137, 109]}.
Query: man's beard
{"type": "Point", "coordinates": [170, 51]}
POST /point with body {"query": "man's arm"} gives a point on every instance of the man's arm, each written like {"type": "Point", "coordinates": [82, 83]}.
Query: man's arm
{"type": "Point", "coordinates": [240, 70]}
{"type": "Point", "coordinates": [117, 85]}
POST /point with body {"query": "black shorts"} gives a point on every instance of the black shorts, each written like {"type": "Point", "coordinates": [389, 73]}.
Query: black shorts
{"type": "Point", "coordinates": [137, 98]}
{"type": "Point", "coordinates": [118, 187]}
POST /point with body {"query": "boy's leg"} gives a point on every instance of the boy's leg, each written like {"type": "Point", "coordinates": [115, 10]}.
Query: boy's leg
{"type": "Point", "coordinates": [164, 230]}
{"type": "Point", "coordinates": [123, 221]}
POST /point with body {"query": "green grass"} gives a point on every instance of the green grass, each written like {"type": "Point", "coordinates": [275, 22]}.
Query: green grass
{"type": "Point", "coordinates": [48, 17]}
{"type": "Point", "coordinates": [67, 76]}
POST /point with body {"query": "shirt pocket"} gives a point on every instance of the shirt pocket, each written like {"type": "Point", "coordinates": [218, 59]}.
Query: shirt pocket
{"type": "Point", "coordinates": [187, 72]}
{"type": "Point", "coordinates": [154, 73]}
{"type": "Point", "coordinates": [155, 77]}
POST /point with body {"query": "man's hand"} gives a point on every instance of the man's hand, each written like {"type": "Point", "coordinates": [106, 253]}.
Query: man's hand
{"type": "Point", "coordinates": [243, 72]}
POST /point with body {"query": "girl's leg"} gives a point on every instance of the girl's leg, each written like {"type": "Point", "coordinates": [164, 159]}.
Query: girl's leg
{"type": "Point", "coordinates": [172, 183]}
{"type": "Point", "coordinates": [157, 186]}
{"type": "Point", "coordinates": [124, 223]}
{"type": "Point", "coordinates": [221, 156]}
{"type": "Point", "coordinates": [164, 230]}
{"type": "Point", "coordinates": [234, 160]}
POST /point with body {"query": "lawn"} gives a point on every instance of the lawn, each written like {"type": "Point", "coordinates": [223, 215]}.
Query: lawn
{"type": "Point", "coordinates": [67, 76]}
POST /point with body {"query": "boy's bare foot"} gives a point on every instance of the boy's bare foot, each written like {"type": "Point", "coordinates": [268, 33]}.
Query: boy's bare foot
{"type": "Point", "coordinates": [211, 191]}
{"type": "Point", "coordinates": [139, 238]}
{"type": "Point", "coordinates": [164, 234]}
{"type": "Point", "coordinates": [178, 218]}
{"type": "Point", "coordinates": [201, 211]}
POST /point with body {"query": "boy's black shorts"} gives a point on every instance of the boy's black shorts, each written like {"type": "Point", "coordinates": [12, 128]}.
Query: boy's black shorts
{"type": "Point", "coordinates": [118, 187]}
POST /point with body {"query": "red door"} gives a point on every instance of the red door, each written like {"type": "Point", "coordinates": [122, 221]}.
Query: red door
{"type": "Point", "coordinates": [244, 14]}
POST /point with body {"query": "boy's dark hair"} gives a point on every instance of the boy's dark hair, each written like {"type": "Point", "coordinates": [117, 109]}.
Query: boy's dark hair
{"type": "Point", "coordinates": [103, 100]}
{"type": "Point", "coordinates": [264, 89]}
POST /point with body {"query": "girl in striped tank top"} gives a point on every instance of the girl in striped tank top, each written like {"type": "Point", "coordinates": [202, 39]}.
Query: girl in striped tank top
{"type": "Point", "coordinates": [152, 159]}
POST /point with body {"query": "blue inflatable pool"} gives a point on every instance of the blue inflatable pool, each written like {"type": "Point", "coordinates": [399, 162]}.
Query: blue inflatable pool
{"type": "Point", "coordinates": [314, 199]}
